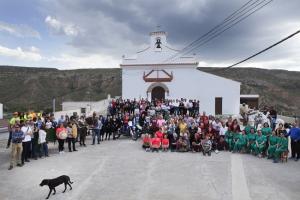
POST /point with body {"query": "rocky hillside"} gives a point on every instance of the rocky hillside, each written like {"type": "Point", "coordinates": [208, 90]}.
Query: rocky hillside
{"type": "Point", "coordinates": [23, 88]}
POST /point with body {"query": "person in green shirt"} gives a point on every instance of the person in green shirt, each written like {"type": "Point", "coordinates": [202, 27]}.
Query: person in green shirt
{"type": "Point", "coordinates": [251, 140]}
{"type": "Point", "coordinates": [228, 139]}
{"type": "Point", "coordinates": [248, 129]}
{"type": "Point", "coordinates": [241, 142]}
{"type": "Point", "coordinates": [273, 139]}
{"type": "Point", "coordinates": [282, 146]}
{"type": "Point", "coordinates": [235, 137]}
{"type": "Point", "coordinates": [266, 130]}
{"type": "Point", "coordinates": [260, 144]}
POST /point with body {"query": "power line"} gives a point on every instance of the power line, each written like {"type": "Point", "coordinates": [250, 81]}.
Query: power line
{"type": "Point", "coordinates": [219, 25]}
{"type": "Point", "coordinates": [222, 31]}
{"type": "Point", "coordinates": [226, 22]}
{"type": "Point", "coordinates": [284, 39]}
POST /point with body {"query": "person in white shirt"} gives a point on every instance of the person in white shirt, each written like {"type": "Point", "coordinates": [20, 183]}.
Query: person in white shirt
{"type": "Point", "coordinates": [42, 142]}
{"type": "Point", "coordinates": [216, 124]}
{"type": "Point", "coordinates": [48, 124]}
{"type": "Point", "coordinates": [223, 130]}
{"type": "Point", "coordinates": [26, 143]}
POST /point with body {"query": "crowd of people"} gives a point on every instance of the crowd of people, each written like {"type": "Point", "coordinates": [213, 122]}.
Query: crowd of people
{"type": "Point", "coordinates": [175, 125]}
{"type": "Point", "coordinates": [29, 135]}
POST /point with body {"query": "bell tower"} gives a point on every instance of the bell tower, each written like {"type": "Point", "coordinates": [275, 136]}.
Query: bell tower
{"type": "Point", "coordinates": [158, 40]}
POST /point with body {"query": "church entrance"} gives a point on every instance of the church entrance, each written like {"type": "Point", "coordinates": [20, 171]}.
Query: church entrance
{"type": "Point", "coordinates": [158, 93]}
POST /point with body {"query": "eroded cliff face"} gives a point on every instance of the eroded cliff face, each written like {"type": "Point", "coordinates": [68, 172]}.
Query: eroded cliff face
{"type": "Point", "coordinates": [23, 88]}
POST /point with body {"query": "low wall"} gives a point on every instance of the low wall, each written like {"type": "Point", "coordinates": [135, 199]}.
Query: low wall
{"type": "Point", "coordinates": [66, 112]}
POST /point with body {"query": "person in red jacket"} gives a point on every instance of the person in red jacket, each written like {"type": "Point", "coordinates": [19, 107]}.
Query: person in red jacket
{"type": "Point", "coordinates": [159, 134]}
{"type": "Point", "coordinates": [155, 143]}
{"type": "Point", "coordinates": [165, 143]}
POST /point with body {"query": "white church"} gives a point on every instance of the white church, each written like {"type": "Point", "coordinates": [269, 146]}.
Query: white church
{"type": "Point", "coordinates": [151, 75]}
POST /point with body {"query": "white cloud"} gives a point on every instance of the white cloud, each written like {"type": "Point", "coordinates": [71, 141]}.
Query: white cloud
{"type": "Point", "coordinates": [18, 53]}
{"type": "Point", "coordinates": [61, 28]}
{"type": "Point", "coordinates": [19, 30]}
{"type": "Point", "coordinates": [67, 61]}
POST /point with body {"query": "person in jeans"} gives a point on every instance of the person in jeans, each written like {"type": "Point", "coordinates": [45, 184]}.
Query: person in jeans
{"type": "Point", "coordinates": [14, 120]}
{"type": "Point", "coordinates": [97, 125]}
{"type": "Point", "coordinates": [17, 148]}
{"type": "Point", "coordinates": [42, 142]}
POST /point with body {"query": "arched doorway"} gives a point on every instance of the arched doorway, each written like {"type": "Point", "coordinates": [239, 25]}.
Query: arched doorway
{"type": "Point", "coordinates": [158, 93]}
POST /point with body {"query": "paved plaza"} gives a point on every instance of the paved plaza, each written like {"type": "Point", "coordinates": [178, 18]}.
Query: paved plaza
{"type": "Point", "coordinates": [122, 170]}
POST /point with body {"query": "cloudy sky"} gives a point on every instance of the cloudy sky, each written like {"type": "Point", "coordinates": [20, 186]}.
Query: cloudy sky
{"type": "Point", "coordinates": [70, 34]}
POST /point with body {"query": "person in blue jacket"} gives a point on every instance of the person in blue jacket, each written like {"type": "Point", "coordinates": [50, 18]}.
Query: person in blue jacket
{"type": "Point", "coordinates": [295, 142]}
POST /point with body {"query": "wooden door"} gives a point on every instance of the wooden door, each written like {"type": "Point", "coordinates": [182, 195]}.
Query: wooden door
{"type": "Point", "coordinates": [218, 105]}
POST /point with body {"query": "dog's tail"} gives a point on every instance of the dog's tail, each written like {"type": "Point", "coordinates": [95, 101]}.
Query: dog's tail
{"type": "Point", "coordinates": [71, 182]}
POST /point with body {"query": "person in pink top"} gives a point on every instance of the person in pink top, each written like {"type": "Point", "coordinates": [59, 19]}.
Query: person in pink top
{"type": "Point", "coordinates": [160, 122]}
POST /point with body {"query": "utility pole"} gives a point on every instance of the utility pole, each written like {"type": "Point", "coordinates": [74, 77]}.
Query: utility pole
{"type": "Point", "coordinates": [53, 105]}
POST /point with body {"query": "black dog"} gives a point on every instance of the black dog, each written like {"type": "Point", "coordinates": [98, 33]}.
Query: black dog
{"type": "Point", "coordinates": [52, 183]}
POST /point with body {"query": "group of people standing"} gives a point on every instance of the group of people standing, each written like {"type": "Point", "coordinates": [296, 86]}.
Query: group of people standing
{"type": "Point", "coordinates": [27, 138]}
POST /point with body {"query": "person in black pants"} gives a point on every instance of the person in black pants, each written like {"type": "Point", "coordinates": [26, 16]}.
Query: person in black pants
{"type": "Point", "coordinates": [26, 151]}
{"type": "Point", "coordinates": [71, 138]}
{"type": "Point", "coordinates": [108, 127]}
{"type": "Point", "coordinates": [295, 142]}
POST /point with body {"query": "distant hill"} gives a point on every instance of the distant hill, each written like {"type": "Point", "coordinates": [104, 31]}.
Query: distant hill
{"type": "Point", "coordinates": [24, 88]}
{"type": "Point", "coordinates": [279, 88]}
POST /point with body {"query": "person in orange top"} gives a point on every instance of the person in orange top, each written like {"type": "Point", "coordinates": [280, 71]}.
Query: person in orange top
{"type": "Point", "coordinates": [146, 142]}
{"type": "Point", "coordinates": [155, 143]}
{"type": "Point", "coordinates": [165, 143]}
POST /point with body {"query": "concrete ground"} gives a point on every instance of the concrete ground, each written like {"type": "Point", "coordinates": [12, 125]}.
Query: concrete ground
{"type": "Point", "coordinates": [122, 170]}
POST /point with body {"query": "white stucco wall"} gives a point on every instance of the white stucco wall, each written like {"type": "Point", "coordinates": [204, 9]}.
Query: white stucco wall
{"type": "Point", "coordinates": [189, 83]}
{"type": "Point", "coordinates": [98, 106]}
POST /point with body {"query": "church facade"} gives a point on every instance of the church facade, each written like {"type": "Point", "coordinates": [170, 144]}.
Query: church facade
{"type": "Point", "coordinates": [153, 74]}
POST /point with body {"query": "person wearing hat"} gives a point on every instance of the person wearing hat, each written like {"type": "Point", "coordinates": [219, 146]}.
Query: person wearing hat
{"type": "Point", "coordinates": [12, 122]}
{"type": "Point", "coordinates": [16, 151]}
